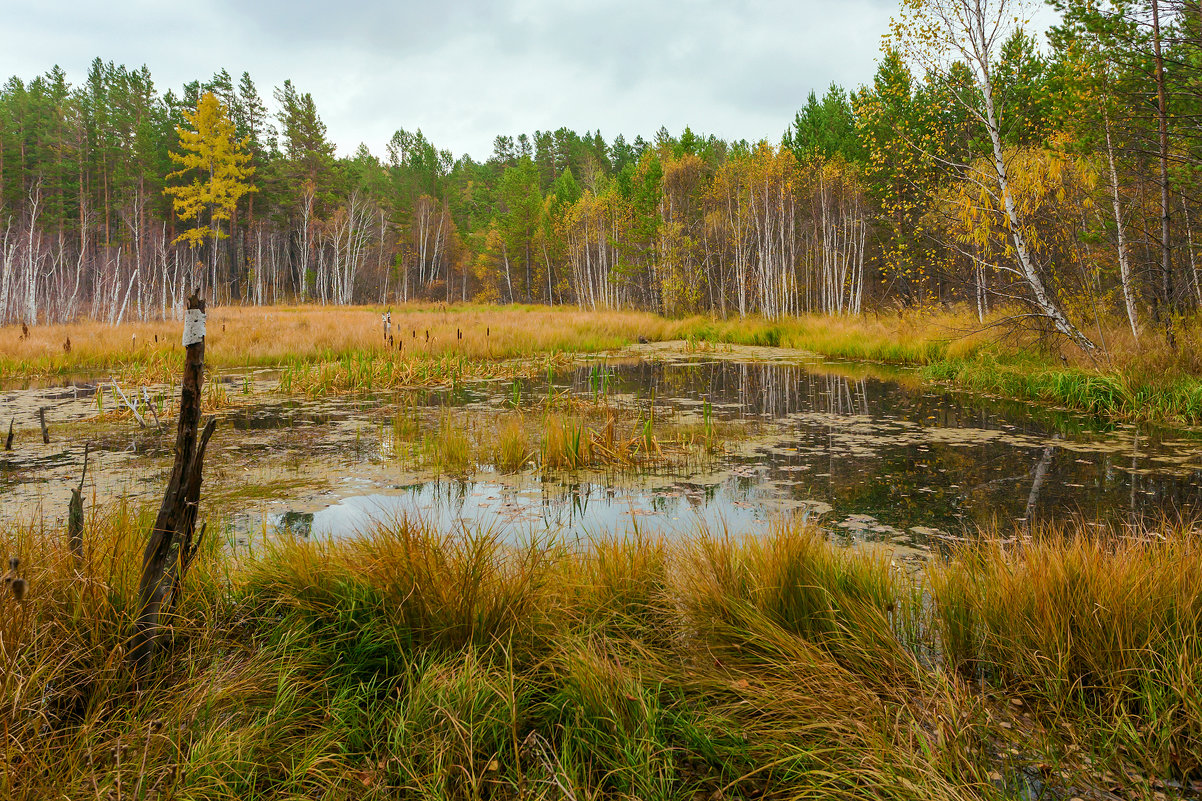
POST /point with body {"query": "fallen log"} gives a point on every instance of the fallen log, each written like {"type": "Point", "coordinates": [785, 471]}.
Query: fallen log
{"type": "Point", "coordinates": [132, 406]}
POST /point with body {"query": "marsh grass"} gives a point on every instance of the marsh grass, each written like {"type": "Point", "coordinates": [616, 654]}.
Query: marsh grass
{"type": "Point", "coordinates": [512, 450]}
{"type": "Point", "coordinates": [1108, 630]}
{"type": "Point", "coordinates": [910, 339]}
{"type": "Point", "coordinates": [414, 663]}
{"type": "Point", "coordinates": [155, 405]}
{"type": "Point", "coordinates": [406, 424]}
{"type": "Point", "coordinates": [452, 447]}
{"type": "Point", "coordinates": [840, 601]}
{"type": "Point", "coordinates": [284, 336]}
{"type": "Point", "coordinates": [1127, 394]}
{"type": "Point", "coordinates": [567, 444]}
{"type": "Point", "coordinates": [321, 350]}
{"type": "Point", "coordinates": [709, 435]}
{"type": "Point", "coordinates": [365, 372]}
{"type": "Point", "coordinates": [563, 434]}
{"type": "Point", "coordinates": [292, 337]}
{"type": "Point", "coordinates": [1140, 380]}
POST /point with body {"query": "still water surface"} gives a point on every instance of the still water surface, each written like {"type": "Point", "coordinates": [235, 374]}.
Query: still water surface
{"type": "Point", "coordinates": [873, 455]}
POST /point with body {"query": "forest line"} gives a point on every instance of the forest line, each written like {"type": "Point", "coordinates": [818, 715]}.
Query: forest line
{"type": "Point", "coordinates": [1057, 182]}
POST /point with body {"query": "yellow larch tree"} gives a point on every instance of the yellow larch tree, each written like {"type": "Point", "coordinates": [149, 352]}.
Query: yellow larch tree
{"type": "Point", "coordinates": [216, 166]}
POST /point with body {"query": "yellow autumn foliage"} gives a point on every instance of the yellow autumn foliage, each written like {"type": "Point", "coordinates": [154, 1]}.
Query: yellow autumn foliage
{"type": "Point", "coordinates": [216, 166]}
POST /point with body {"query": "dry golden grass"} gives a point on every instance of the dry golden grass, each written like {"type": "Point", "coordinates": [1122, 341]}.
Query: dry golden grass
{"type": "Point", "coordinates": [1105, 627]}
{"type": "Point", "coordinates": [557, 435]}
{"type": "Point", "coordinates": [326, 350]}
{"type": "Point", "coordinates": [417, 663]}
{"type": "Point", "coordinates": [274, 336]}
{"type": "Point", "coordinates": [241, 336]}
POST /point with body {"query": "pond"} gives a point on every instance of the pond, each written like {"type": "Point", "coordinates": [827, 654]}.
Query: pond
{"type": "Point", "coordinates": [871, 453]}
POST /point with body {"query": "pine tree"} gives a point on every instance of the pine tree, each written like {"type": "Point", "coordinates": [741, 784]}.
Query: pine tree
{"type": "Point", "coordinates": [520, 221]}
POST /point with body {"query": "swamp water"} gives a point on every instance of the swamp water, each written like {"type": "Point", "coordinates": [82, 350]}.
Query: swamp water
{"type": "Point", "coordinates": [871, 454]}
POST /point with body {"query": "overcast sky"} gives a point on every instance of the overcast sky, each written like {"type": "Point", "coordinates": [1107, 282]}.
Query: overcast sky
{"type": "Point", "coordinates": [464, 72]}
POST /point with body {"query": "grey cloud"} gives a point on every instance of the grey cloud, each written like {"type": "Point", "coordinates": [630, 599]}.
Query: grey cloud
{"type": "Point", "coordinates": [467, 71]}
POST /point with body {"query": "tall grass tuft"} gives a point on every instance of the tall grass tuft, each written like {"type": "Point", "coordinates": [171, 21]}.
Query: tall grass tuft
{"type": "Point", "coordinates": [840, 601]}
{"type": "Point", "coordinates": [1109, 630]}
{"type": "Point", "coordinates": [410, 662]}
{"type": "Point", "coordinates": [451, 446]}
{"type": "Point", "coordinates": [512, 451]}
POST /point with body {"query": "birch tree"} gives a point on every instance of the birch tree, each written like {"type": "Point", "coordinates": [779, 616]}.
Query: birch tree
{"type": "Point", "coordinates": [938, 33]}
{"type": "Point", "coordinates": [1089, 102]}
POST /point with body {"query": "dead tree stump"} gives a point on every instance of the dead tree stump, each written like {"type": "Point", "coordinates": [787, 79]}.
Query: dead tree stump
{"type": "Point", "coordinates": [75, 512]}
{"type": "Point", "coordinates": [177, 515]}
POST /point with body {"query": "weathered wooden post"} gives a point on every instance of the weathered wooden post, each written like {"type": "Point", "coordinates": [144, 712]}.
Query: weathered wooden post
{"type": "Point", "coordinates": [177, 514]}
{"type": "Point", "coordinates": [45, 430]}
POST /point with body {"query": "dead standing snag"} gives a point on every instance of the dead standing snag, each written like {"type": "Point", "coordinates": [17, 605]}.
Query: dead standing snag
{"type": "Point", "coordinates": [176, 519]}
{"type": "Point", "coordinates": [75, 512]}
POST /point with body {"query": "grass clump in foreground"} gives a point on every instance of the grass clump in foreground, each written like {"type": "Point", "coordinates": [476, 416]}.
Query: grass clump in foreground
{"type": "Point", "coordinates": [1107, 635]}
{"type": "Point", "coordinates": [413, 664]}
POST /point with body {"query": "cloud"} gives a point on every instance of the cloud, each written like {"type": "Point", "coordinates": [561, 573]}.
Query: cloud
{"type": "Point", "coordinates": [466, 71]}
